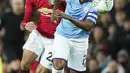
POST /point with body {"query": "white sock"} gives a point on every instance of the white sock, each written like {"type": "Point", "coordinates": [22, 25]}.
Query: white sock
{"type": "Point", "coordinates": [57, 71]}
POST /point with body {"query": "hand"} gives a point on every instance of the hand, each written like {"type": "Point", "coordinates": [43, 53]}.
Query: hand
{"type": "Point", "coordinates": [15, 65]}
{"type": "Point", "coordinates": [60, 14]}
{"type": "Point", "coordinates": [53, 18]}
{"type": "Point", "coordinates": [30, 26]}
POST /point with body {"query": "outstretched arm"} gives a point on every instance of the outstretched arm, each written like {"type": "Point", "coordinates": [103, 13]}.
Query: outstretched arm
{"type": "Point", "coordinates": [85, 24]}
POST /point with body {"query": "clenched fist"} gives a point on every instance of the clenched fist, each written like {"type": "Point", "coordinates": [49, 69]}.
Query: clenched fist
{"type": "Point", "coordinates": [30, 26]}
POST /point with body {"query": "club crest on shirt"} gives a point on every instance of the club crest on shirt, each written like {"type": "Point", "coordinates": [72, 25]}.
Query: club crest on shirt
{"type": "Point", "coordinates": [86, 9]}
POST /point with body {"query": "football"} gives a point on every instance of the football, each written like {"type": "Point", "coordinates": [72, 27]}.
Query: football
{"type": "Point", "coordinates": [103, 5]}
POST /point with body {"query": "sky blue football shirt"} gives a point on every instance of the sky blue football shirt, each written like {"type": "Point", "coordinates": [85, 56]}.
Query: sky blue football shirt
{"type": "Point", "coordinates": [80, 12]}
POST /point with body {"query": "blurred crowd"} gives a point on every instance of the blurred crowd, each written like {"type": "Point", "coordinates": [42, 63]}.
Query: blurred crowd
{"type": "Point", "coordinates": [109, 48]}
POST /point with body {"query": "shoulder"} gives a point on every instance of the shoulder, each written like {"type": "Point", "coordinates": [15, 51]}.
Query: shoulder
{"type": "Point", "coordinates": [6, 15]}
{"type": "Point", "coordinates": [28, 2]}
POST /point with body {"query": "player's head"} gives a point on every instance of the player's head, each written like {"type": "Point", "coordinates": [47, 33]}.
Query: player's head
{"type": "Point", "coordinates": [17, 6]}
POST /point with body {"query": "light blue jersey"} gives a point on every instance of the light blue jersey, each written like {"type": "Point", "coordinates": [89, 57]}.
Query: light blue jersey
{"type": "Point", "coordinates": [80, 12]}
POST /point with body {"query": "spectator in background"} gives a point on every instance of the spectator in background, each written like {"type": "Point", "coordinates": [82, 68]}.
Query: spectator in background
{"type": "Point", "coordinates": [4, 8]}
{"type": "Point", "coordinates": [103, 59]}
{"type": "Point", "coordinates": [13, 39]}
{"type": "Point", "coordinates": [106, 19]}
{"type": "Point", "coordinates": [93, 66]}
{"type": "Point", "coordinates": [123, 59]}
{"type": "Point", "coordinates": [119, 5]}
{"type": "Point", "coordinates": [126, 37]}
{"type": "Point", "coordinates": [123, 36]}
{"type": "Point", "coordinates": [99, 41]}
{"type": "Point", "coordinates": [113, 67]}
{"type": "Point", "coordinates": [112, 31]}
{"type": "Point", "coordinates": [118, 41]}
{"type": "Point", "coordinates": [127, 7]}
{"type": "Point", "coordinates": [120, 18]}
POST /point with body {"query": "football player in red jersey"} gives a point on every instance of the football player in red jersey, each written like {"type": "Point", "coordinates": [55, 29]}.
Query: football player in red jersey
{"type": "Point", "coordinates": [40, 41]}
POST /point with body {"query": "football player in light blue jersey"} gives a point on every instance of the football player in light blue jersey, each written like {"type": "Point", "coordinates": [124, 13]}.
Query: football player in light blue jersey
{"type": "Point", "coordinates": [71, 36]}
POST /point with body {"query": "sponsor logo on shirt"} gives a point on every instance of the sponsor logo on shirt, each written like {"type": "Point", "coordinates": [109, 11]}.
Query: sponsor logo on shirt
{"type": "Point", "coordinates": [45, 11]}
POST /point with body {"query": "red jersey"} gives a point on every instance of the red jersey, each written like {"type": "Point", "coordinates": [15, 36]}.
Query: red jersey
{"type": "Point", "coordinates": [45, 26]}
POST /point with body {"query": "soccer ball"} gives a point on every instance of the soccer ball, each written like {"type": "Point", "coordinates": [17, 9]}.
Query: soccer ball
{"type": "Point", "coordinates": [103, 5]}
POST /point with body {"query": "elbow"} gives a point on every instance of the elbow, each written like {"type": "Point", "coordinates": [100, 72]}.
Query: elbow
{"type": "Point", "coordinates": [88, 28]}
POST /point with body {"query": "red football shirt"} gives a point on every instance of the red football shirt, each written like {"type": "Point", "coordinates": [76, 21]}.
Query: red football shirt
{"type": "Point", "coordinates": [45, 27]}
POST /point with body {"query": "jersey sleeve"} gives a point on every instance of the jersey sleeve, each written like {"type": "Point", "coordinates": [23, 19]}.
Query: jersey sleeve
{"type": "Point", "coordinates": [28, 12]}
{"type": "Point", "coordinates": [93, 15]}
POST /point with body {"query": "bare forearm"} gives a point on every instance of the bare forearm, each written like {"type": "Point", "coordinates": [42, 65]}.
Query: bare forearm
{"type": "Point", "coordinates": [56, 4]}
{"type": "Point", "coordinates": [85, 25]}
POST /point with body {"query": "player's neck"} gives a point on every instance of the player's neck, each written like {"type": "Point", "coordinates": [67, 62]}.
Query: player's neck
{"type": "Point", "coordinates": [17, 12]}
{"type": "Point", "coordinates": [83, 1]}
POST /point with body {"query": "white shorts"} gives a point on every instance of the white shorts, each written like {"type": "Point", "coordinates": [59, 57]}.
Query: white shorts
{"type": "Point", "coordinates": [42, 46]}
{"type": "Point", "coordinates": [73, 51]}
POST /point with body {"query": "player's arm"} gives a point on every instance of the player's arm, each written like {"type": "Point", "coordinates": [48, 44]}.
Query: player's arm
{"type": "Point", "coordinates": [55, 7]}
{"type": "Point", "coordinates": [26, 24]}
{"type": "Point", "coordinates": [85, 24]}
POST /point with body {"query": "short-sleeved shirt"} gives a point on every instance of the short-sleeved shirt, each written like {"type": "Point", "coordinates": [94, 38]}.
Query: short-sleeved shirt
{"type": "Point", "coordinates": [79, 12]}
{"type": "Point", "coordinates": [45, 27]}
